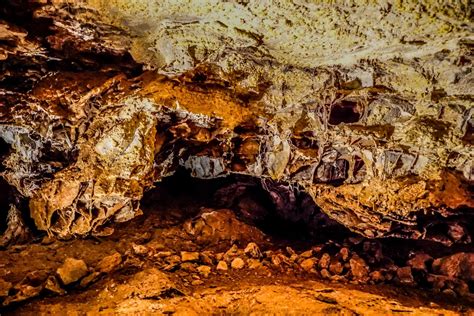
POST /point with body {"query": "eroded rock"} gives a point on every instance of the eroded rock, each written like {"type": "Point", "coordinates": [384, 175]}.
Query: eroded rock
{"type": "Point", "coordinates": [72, 270]}
{"type": "Point", "coordinates": [342, 120]}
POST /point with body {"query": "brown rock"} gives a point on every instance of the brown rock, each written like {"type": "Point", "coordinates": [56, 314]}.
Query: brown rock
{"type": "Point", "coordinates": [253, 251]}
{"type": "Point", "coordinates": [204, 270]}
{"type": "Point", "coordinates": [189, 256]}
{"type": "Point", "coordinates": [237, 263]}
{"type": "Point", "coordinates": [188, 266]}
{"type": "Point", "coordinates": [405, 276]}
{"type": "Point", "coordinates": [460, 265]}
{"type": "Point", "coordinates": [52, 285]}
{"type": "Point", "coordinates": [308, 264]}
{"type": "Point", "coordinates": [140, 250]}
{"type": "Point", "coordinates": [254, 264]}
{"type": "Point", "coordinates": [24, 292]}
{"type": "Point", "coordinates": [358, 267]}
{"type": "Point", "coordinates": [324, 261]}
{"type": "Point", "coordinates": [306, 254]}
{"type": "Point", "coordinates": [336, 267]}
{"type": "Point", "coordinates": [206, 258]}
{"type": "Point", "coordinates": [109, 263]}
{"type": "Point", "coordinates": [222, 266]}
{"type": "Point", "coordinates": [72, 270]}
{"type": "Point", "coordinates": [419, 261]}
{"type": "Point", "coordinates": [290, 251]}
{"type": "Point", "coordinates": [344, 252]}
{"type": "Point", "coordinates": [377, 276]}
{"type": "Point", "coordinates": [325, 274]}
{"type": "Point", "coordinates": [89, 279]}
{"type": "Point", "coordinates": [4, 288]}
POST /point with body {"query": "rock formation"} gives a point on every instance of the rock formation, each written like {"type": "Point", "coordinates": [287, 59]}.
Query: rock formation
{"type": "Point", "coordinates": [367, 108]}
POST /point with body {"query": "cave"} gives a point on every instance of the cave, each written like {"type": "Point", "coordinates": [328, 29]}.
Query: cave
{"type": "Point", "coordinates": [236, 157]}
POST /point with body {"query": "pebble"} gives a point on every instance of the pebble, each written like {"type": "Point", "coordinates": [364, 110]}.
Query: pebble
{"type": "Point", "coordinates": [336, 267]}
{"type": "Point", "coordinates": [307, 254]}
{"type": "Point", "coordinates": [377, 276]}
{"type": "Point", "coordinates": [254, 264]}
{"type": "Point", "coordinates": [140, 249]}
{"type": "Point", "coordinates": [405, 276]}
{"type": "Point", "coordinates": [187, 256]}
{"type": "Point", "coordinates": [72, 270]}
{"type": "Point", "coordinates": [52, 285]}
{"type": "Point", "coordinates": [222, 266]}
{"type": "Point", "coordinates": [253, 251]}
{"type": "Point", "coordinates": [324, 261]}
{"type": "Point", "coordinates": [109, 263]}
{"type": "Point", "coordinates": [325, 274]}
{"type": "Point", "coordinates": [418, 262]}
{"type": "Point", "coordinates": [204, 270]}
{"type": "Point", "coordinates": [308, 264]}
{"type": "Point", "coordinates": [358, 267]}
{"type": "Point", "coordinates": [237, 263]}
{"type": "Point", "coordinates": [206, 257]}
{"type": "Point", "coordinates": [344, 252]}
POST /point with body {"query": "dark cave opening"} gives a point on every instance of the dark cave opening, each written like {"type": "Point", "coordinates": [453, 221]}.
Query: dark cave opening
{"type": "Point", "coordinates": [289, 216]}
{"type": "Point", "coordinates": [286, 214]}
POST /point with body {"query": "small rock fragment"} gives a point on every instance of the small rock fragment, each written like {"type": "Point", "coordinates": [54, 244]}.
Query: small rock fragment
{"type": "Point", "coordinates": [140, 250]}
{"type": "Point", "coordinates": [405, 276]}
{"type": "Point", "coordinates": [344, 252]}
{"type": "Point", "coordinates": [89, 279]}
{"type": "Point", "coordinates": [460, 265]}
{"type": "Point", "coordinates": [109, 263]}
{"type": "Point", "coordinates": [237, 263]}
{"type": "Point", "coordinates": [324, 261]}
{"type": "Point", "coordinates": [253, 251]}
{"type": "Point", "coordinates": [325, 274]}
{"type": "Point", "coordinates": [308, 264]}
{"type": "Point", "coordinates": [204, 270]}
{"type": "Point", "coordinates": [358, 267]}
{"type": "Point", "coordinates": [52, 285]}
{"type": "Point", "coordinates": [336, 267]}
{"type": "Point", "coordinates": [222, 266]}
{"type": "Point", "coordinates": [306, 254]}
{"type": "Point", "coordinates": [419, 261]}
{"type": "Point", "coordinates": [188, 266]}
{"type": "Point", "coordinates": [189, 256]}
{"type": "Point", "coordinates": [254, 264]}
{"type": "Point", "coordinates": [290, 251]}
{"type": "Point", "coordinates": [206, 258]}
{"type": "Point", "coordinates": [377, 276]}
{"type": "Point", "coordinates": [72, 270]}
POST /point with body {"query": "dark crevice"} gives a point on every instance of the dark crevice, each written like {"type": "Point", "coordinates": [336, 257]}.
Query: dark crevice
{"type": "Point", "coordinates": [344, 112]}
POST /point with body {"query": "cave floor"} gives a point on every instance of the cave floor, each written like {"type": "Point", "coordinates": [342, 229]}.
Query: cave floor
{"type": "Point", "coordinates": [151, 275]}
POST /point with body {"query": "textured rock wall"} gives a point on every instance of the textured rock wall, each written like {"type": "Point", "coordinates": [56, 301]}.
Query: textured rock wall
{"type": "Point", "coordinates": [366, 106]}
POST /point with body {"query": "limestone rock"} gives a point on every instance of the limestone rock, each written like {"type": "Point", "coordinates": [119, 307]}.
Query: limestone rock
{"type": "Point", "coordinates": [367, 108]}
{"type": "Point", "coordinates": [187, 256]}
{"type": "Point", "coordinates": [72, 270]}
{"type": "Point", "coordinates": [359, 268]}
{"type": "Point", "coordinates": [222, 266]}
{"type": "Point", "coordinates": [237, 263]}
{"type": "Point", "coordinates": [460, 265]}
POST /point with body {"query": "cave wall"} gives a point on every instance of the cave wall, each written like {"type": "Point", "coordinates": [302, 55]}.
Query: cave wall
{"type": "Point", "coordinates": [366, 106]}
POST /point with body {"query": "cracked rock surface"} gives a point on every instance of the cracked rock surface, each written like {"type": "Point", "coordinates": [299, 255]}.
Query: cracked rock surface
{"type": "Point", "coordinates": [368, 109]}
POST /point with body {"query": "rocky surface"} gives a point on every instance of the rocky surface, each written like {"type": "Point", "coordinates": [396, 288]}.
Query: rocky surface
{"type": "Point", "coordinates": [174, 273]}
{"type": "Point", "coordinates": [366, 108]}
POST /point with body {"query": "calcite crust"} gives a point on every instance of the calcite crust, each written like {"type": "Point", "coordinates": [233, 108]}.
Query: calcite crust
{"type": "Point", "coordinates": [368, 108]}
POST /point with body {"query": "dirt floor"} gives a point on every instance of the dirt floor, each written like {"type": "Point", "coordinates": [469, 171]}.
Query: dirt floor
{"type": "Point", "coordinates": [180, 258]}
